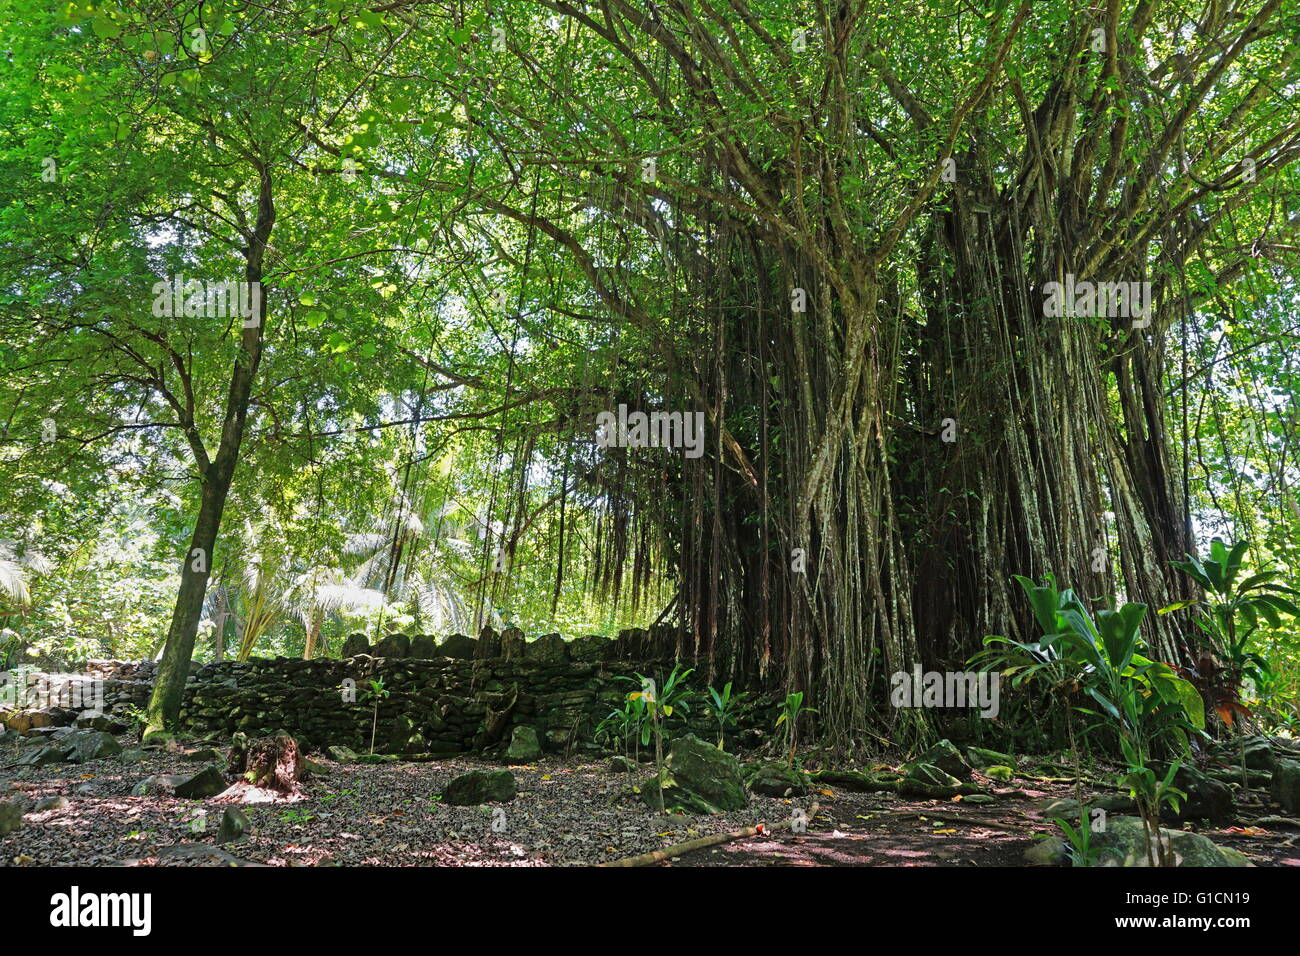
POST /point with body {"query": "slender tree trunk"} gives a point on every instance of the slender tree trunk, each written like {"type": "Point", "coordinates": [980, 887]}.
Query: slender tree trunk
{"type": "Point", "coordinates": [313, 634]}
{"type": "Point", "coordinates": [169, 686]}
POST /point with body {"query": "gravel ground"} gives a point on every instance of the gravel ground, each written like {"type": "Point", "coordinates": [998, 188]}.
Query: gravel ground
{"type": "Point", "coordinates": [566, 812]}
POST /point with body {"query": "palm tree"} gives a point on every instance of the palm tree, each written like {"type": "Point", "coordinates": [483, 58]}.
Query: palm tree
{"type": "Point", "coordinates": [17, 564]}
{"type": "Point", "coordinates": [319, 592]}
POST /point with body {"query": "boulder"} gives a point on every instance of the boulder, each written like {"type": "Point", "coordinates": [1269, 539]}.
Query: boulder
{"type": "Point", "coordinates": [774, 779]}
{"type": "Point", "coordinates": [512, 644]}
{"type": "Point", "coordinates": [355, 644]}
{"type": "Point", "coordinates": [946, 757]}
{"type": "Point", "coordinates": [857, 781]}
{"type": "Point", "coordinates": [396, 646]}
{"type": "Point", "coordinates": [1285, 789]}
{"type": "Point", "coordinates": [980, 757]}
{"type": "Point", "coordinates": [160, 740]}
{"type": "Point", "coordinates": [591, 647]}
{"type": "Point", "coordinates": [480, 786]}
{"type": "Point", "coordinates": [457, 646]}
{"type": "Point", "coordinates": [234, 825]}
{"type": "Point", "coordinates": [423, 647]}
{"type": "Point", "coordinates": [1048, 851]}
{"type": "Point", "coordinates": [524, 745]}
{"type": "Point", "coordinates": [159, 783]}
{"type": "Point", "coordinates": [547, 649]}
{"type": "Point", "coordinates": [1123, 843]}
{"type": "Point", "coordinates": [97, 720]}
{"type": "Point", "coordinates": [203, 755]}
{"type": "Point", "coordinates": [1259, 754]}
{"type": "Point", "coordinates": [52, 803]}
{"type": "Point", "coordinates": [489, 644]}
{"type": "Point", "coordinates": [40, 756]}
{"type": "Point", "coordinates": [341, 754]}
{"type": "Point", "coordinates": [928, 781]}
{"type": "Point", "coordinates": [620, 764]}
{"type": "Point", "coordinates": [208, 782]}
{"type": "Point", "coordinates": [11, 818]}
{"type": "Point", "coordinates": [400, 736]}
{"type": "Point", "coordinates": [698, 777]}
{"type": "Point", "coordinates": [1206, 799]}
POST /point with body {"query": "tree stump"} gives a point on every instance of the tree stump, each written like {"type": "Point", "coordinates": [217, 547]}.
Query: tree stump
{"type": "Point", "coordinates": [271, 762]}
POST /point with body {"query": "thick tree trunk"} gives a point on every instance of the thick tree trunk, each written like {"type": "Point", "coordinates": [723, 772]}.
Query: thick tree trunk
{"type": "Point", "coordinates": [169, 686]}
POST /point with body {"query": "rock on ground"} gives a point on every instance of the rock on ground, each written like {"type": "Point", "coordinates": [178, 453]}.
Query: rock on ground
{"type": "Point", "coordinates": [480, 786]}
{"type": "Point", "coordinates": [698, 776]}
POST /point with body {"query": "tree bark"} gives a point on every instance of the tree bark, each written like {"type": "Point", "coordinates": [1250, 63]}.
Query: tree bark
{"type": "Point", "coordinates": [165, 701]}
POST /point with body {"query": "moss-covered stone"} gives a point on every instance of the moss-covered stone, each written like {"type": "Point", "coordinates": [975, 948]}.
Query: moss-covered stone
{"type": "Point", "coordinates": [855, 780]}
{"type": "Point", "coordinates": [946, 757]}
{"type": "Point", "coordinates": [981, 757]}
{"type": "Point", "coordinates": [774, 779]}
{"type": "Point", "coordinates": [525, 747]}
{"type": "Point", "coordinates": [699, 777]}
{"type": "Point", "coordinates": [480, 786]}
{"type": "Point", "coordinates": [927, 780]}
{"type": "Point", "coordinates": [1123, 842]}
{"type": "Point", "coordinates": [1285, 789]}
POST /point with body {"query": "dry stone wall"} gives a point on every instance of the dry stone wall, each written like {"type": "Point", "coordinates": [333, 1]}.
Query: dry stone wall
{"type": "Point", "coordinates": [441, 697]}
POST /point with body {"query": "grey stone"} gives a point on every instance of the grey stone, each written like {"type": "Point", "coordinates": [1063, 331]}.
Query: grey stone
{"type": "Point", "coordinates": [512, 644]}
{"type": "Point", "coordinates": [40, 756]}
{"type": "Point", "coordinates": [774, 779]}
{"type": "Point", "coordinates": [1049, 851]}
{"type": "Point", "coordinates": [547, 649]}
{"type": "Point", "coordinates": [524, 745]}
{"type": "Point", "coordinates": [946, 757]}
{"type": "Point", "coordinates": [489, 644]}
{"type": "Point", "coordinates": [341, 754]}
{"type": "Point", "coordinates": [208, 782]}
{"type": "Point", "coordinates": [396, 646]}
{"type": "Point", "coordinates": [928, 781]}
{"type": "Point", "coordinates": [423, 647]}
{"type": "Point", "coordinates": [591, 647]}
{"type": "Point", "coordinates": [1206, 798]}
{"type": "Point", "coordinates": [83, 745]}
{"type": "Point", "coordinates": [480, 786]}
{"type": "Point", "coordinates": [1285, 789]}
{"type": "Point", "coordinates": [11, 818]}
{"type": "Point", "coordinates": [234, 825]}
{"type": "Point", "coordinates": [457, 646]}
{"type": "Point", "coordinates": [354, 645]}
{"type": "Point", "coordinates": [981, 757]}
{"type": "Point", "coordinates": [1124, 843]}
{"type": "Point", "coordinates": [699, 777]}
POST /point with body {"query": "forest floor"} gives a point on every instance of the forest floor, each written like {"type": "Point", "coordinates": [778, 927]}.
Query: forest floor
{"type": "Point", "coordinates": [567, 812]}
